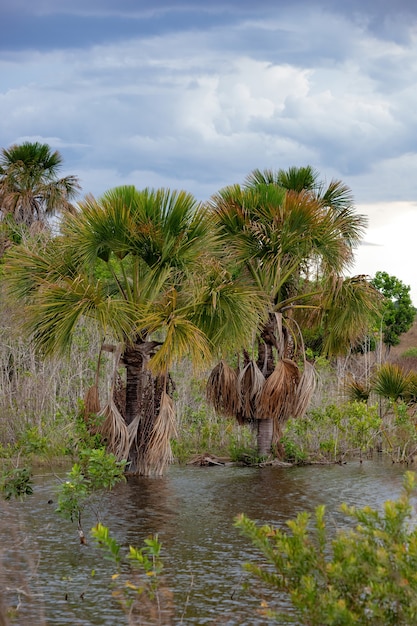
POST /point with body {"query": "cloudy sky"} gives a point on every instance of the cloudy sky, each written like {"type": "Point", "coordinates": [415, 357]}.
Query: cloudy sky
{"type": "Point", "coordinates": [196, 94]}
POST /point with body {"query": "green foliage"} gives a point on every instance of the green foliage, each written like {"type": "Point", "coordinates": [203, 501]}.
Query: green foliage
{"type": "Point", "coordinates": [293, 453]}
{"type": "Point", "coordinates": [398, 310]}
{"type": "Point", "coordinates": [332, 432]}
{"type": "Point", "coordinates": [103, 539]}
{"type": "Point", "coordinates": [97, 471]}
{"type": "Point", "coordinates": [16, 483]}
{"type": "Point", "coordinates": [32, 442]}
{"type": "Point", "coordinates": [138, 572]}
{"type": "Point", "coordinates": [365, 575]}
{"type": "Point", "coordinates": [390, 381]}
{"type": "Point", "coordinates": [410, 352]}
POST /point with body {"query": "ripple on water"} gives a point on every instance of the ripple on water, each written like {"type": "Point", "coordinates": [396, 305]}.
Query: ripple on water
{"type": "Point", "coordinates": [192, 510]}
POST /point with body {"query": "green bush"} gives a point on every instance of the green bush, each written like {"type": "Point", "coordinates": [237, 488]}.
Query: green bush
{"type": "Point", "coordinates": [410, 352]}
{"type": "Point", "coordinates": [332, 432]}
{"type": "Point", "coordinates": [16, 483]}
{"type": "Point", "coordinates": [363, 575]}
{"type": "Point", "coordinates": [97, 472]}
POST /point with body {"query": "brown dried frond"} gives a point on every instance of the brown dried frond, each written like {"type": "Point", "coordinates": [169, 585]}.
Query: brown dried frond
{"type": "Point", "coordinates": [114, 430]}
{"type": "Point", "coordinates": [305, 389]}
{"type": "Point", "coordinates": [159, 447]}
{"type": "Point", "coordinates": [222, 390]}
{"type": "Point", "coordinates": [91, 403]}
{"type": "Point", "coordinates": [249, 384]}
{"type": "Point", "coordinates": [277, 396]}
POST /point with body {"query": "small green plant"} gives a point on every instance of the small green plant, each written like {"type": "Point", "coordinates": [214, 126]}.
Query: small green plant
{"type": "Point", "coordinates": [292, 452]}
{"type": "Point", "coordinates": [364, 575]}
{"type": "Point", "coordinates": [97, 472]}
{"type": "Point", "coordinates": [16, 483]}
{"type": "Point", "coordinates": [136, 583]}
{"type": "Point", "coordinates": [32, 442]}
{"type": "Point", "coordinates": [333, 432]}
{"type": "Point", "coordinates": [410, 352]}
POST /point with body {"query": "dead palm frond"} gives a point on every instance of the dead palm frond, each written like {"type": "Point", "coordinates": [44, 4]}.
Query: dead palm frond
{"type": "Point", "coordinates": [222, 390]}
{"type": "Point", "coordinates": [91, 403]}
{"type": "Point", "coordinates": [92, 398]}
{"type": "Point", "coordinates": [159, 447]}
{"type": "Point", "coordinates": [250, 383]}
{"type": "Point", "coordinates": [304, 391]}
{"type": "Point", "coordinates": [277, 396]}
{"type": "Point", "coordinates": [113, 428]}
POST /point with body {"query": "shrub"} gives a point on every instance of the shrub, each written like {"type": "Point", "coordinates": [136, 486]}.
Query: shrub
{"type": "Point", "coordinates": [364, 575]}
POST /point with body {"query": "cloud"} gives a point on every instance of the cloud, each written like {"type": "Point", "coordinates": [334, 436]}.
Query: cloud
{"type": "Point", "coordinates": [196, 95]}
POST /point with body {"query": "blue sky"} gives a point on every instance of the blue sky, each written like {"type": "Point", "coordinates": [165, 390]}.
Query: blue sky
{"type": "Point", "coordinates": [195, 95]}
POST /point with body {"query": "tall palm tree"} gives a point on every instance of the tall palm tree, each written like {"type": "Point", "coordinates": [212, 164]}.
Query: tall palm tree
{"type": "Point", "coordinates": [145, 266]}
{"type": "Point", "coordinates": [295, 238]}
{"type": "Point", "coordinates": [30, 189]}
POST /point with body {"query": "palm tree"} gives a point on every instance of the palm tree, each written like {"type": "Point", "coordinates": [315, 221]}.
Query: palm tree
{"type": "Point", "coordinates": [30, 190]}
{"type": "Point", "coordinates": [145, 266]}
{"type": "Point", "coordinates": [294, 237]}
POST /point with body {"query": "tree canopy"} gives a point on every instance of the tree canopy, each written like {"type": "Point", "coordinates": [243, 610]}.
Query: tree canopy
{"type": "Point", "coordinates": [398, 312]}
{"type": "Point", "coordinates": [30, 187]}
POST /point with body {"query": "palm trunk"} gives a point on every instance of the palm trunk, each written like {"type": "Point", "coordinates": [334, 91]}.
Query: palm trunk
{"type": "Point", "coordinates": [132, 410]}
{"type": "Point", "coordinates": [264, 436]}
{"type": "Point", "coordinates": [143, 394]}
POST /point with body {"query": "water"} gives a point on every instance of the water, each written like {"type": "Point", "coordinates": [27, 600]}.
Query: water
{"type": "Point", "coordinates": [192, 509]}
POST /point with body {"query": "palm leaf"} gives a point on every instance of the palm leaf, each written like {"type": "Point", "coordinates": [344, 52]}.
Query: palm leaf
{"type": "Point", "coordinates": [351, 305]}
{"type": "Point", "coordinates": [91, 403]}
{"type": "Point", "coordinates": [159, 452]}
{"type": "Point", "coordinates": [358, 391]}
{"type": "Point", "coordinates": [304, 391]}
{"type": "Point", "coordinates": [277, 397]}
{"type": "Point", "coordinates": [390, 381]}
{"type": "Point", "coordinates": [250, 383]}
{"type": "Point", "coordinates": [222, 390]}
{"type": "Point", "coordinates": [114, 430]}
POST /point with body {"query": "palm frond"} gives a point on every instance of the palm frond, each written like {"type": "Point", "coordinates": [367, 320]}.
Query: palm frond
{"type": "Point", "coordinates": [250, 383]}
{"type": "Point", "coordinates": [114, 430]}
{"type": "Point", "coordinates": [304, 391]}
{"type": "Point", "coordinates": [277, 396]}
{"type": "Point", "coordinates": [91, 403]}
{"type": "Point", "coordinates": [390, 381]}
{"type": "Point", "coordinates": [351, 306]}
{"type": "Point", "coordinates": [159, 453]}
{"type": "Point", "coordinates": [180, 337]}
{"type": "Point", "coordinates": [58, 307]}
{"type": "Point", "coordinates": [358, 391]}
{"type": "Point", "coordinates": [222, 390]}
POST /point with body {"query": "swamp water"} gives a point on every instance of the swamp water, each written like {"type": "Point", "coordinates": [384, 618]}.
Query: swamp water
{"type": "Point", "coordinates": [192, 509]}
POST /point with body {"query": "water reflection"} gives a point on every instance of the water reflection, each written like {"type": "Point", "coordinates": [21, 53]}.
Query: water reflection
{"type": "Point", "coordinates": [192, 510]}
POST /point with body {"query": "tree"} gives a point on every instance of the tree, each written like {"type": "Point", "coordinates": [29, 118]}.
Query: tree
{"type": "Point", "coordinates": [398, 311]}
{"type": "Point", "coordinates": [146, 266]}
{"type": "Point", "coordinates": [294, 237]}
{"type": "Point", "coordinates": [30, 190]}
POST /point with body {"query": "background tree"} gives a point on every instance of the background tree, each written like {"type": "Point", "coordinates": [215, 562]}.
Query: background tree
{"type": "Point", "coordinates": [398, 312]}
{"type": "Point", "coordinates": [145, 265]}
{"type": "Point", "coordinates": [30, 187]}
{"type": "Point", "coordinates": [294, 237]}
